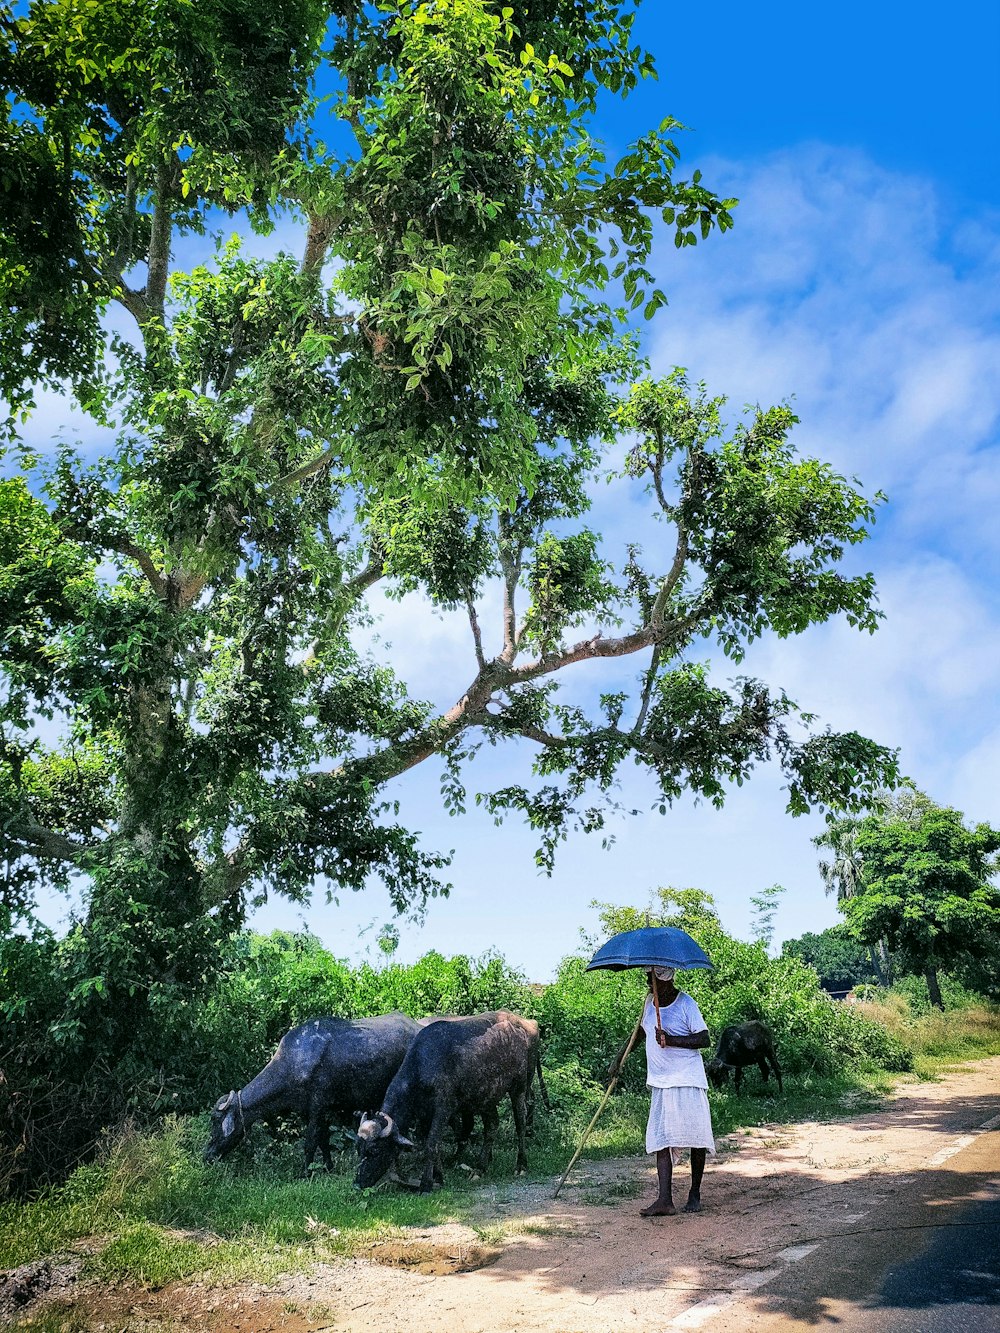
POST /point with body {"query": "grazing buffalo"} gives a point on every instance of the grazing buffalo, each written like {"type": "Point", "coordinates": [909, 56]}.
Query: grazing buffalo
{"type": "Point", "coordinates": [326, 1070]}
{"type": "Point", "coordinates": [740, 1045]}
{"type": "Point", "coordinates": [455, 1069]}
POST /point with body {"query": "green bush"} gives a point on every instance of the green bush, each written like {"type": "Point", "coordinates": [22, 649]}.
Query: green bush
{"type": "Point", "coordinates": [587, 1016]}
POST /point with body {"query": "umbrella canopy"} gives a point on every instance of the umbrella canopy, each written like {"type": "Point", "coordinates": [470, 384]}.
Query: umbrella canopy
{"type": "Point", "coordinates": [652, 946]}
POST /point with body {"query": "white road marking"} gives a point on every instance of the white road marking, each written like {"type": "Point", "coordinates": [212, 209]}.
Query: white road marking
{"type": "Point", "coordinates": [964, 1141]}
{"type": "Point", "coordinates": [696, 1315]}
{"type": "Point", "coordinates": [796, 1252]}
{"type": "Point", "coordinates": [951, 1150]}
{"type": "Point", "coordinates": [704, 1311]}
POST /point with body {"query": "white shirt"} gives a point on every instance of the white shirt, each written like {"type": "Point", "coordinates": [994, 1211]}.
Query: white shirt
{"type": "Point", "coordinates": [673, 1066]}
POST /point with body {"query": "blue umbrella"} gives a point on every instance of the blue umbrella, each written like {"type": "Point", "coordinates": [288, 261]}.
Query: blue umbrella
{"type": "Point", "coordinates": [651, 946]}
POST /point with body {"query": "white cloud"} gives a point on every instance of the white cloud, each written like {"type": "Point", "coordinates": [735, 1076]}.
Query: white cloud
{"type": "Point", "coordinates": [842, 284]}
{"type": "Point", "coordinates": [431, 649]}
{"type": "Point", "coordinates": [972, 785]}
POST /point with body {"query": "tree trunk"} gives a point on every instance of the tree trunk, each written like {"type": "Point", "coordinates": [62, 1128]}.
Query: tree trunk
{"type": "Point", "coordinates": [933, 989]}
{"type": "Point", "coordinates": [886, 961]}
{"type": "Point", "coordinates": [873, 958]}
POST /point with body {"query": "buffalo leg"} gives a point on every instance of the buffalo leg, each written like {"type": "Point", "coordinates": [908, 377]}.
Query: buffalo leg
{"type": "Point", "coordinates": [765, 1073]}
{"type": "Point", "coordinates": [738, 1076]}
{"type": "Point", "coordinates": [311, 1140]}
{"type": "Point", "coordinates": [491, 1122]}
{"type": "Point", "coordinates": [432, 1166]}
{"type": "Point", "coordinates": [323, 1142]}
{"type": "Point", "coordinates": [465, 1123]}
{"type": "Point", "coordinates": [517, 1103]}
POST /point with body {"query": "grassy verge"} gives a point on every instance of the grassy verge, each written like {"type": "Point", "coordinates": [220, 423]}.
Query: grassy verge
{"type": "Point", "coordinates": [162, 1215]}
{"type": "Point", "coordinates": [938, 1040]}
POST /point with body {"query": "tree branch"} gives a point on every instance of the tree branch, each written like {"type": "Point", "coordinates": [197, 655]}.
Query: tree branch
{"type": "Point", "coordinates": [305, 470]}
{"type": "Point", "coordinates": [647, 636]}
{"type": "Point", "coordinates": [47, 842]}
{"type": "Point", "coordinates": [318, 235]}
{"type": "Point", "coordinates": [673, 575]}
{"type": "Point", "coordinates": [656, 469]}
{"type": "Point", "coordinates": [134, 302]}
{"type": "Point", "coordinates": [145, 562]}
{"type": "Point", "coordinates": [527, 730]}
{"type": "Point", "coordinates": [122, 257]}
{"type": "Point", "coordinates": [647, 692]}
{"type": "Point", "coordinates": [470, 709]}
{"type": "Point", "coordinates": [476, 632]}
{"type": "Point", "coordinates": [235, 361]}
{"type": "Point", "coordinates": [351, 590]}
{"type": "Point", "coordinates": [120, 545]}
{"type": "Point", "coordinates": [510, 564]}
{"type": "Point", "coordinates": [158, 259]}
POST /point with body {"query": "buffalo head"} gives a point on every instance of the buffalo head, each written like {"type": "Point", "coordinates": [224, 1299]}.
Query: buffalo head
{"type": "Point", "coordinates": [717, 1071]}
{"type": "Point", "coordinates": [379, 1143]}
{"type": "Point", "coordinates": [228, 1127]}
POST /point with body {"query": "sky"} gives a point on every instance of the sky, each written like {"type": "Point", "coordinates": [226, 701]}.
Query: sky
{"type": "Point", "coordinates": [860, 281]}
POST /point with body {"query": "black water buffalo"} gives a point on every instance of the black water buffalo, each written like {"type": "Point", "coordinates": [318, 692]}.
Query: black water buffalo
{"type": "Point", "coordinates": [455, 1069]}
{"type": "Point", "coordinates": [743, 1044]}
{"type": "Point", "coordinates": [326, 1069]}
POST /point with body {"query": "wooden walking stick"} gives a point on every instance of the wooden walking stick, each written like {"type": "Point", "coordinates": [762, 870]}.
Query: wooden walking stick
{"type": "Point", "coordinates": [604, 1101]}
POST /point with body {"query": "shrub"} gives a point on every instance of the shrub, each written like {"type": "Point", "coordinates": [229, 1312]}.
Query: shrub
{"type": "Point", "coordinates": [954, 994]}
{"type": "Point", "coordinates": [589, 1015]}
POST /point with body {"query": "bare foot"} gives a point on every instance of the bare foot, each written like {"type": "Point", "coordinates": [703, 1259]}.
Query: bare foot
{"type": "Point", "coordinates": [693, 1205]}
{"type": "Point", "coordinates": [658, 1209]}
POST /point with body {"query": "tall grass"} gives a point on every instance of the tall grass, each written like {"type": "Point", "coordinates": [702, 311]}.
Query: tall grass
{"type": "Point", "coordinates": [168, 1215]}
{"type": "Point", "coordinates": [938, 1040]}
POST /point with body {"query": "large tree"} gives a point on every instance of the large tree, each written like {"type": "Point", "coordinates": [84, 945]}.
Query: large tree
{"type": "Point", "coordinates": [928, 886]}
{"type": "Point", "coordinates": [421, 401]}
{"type": "Point", "coordinates": [842, 873]}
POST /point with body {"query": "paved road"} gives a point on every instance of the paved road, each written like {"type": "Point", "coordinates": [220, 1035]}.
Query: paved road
{"type": "Point", "coordinates": [926, 1261]}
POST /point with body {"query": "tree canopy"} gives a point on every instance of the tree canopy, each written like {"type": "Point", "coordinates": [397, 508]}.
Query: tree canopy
{"type": "Point", "coordinates": [421, 400]}
{"type": "Point", "coordinates": [928, 887]}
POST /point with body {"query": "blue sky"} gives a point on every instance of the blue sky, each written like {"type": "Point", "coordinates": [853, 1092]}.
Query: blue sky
{"type": "Point", "coordinates": [861, 277]}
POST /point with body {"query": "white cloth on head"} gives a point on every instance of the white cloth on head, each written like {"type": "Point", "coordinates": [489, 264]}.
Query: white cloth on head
{"type": "Point", "coordinates": [664, 973]}
{"type": "Point", "coordinates": [673, 1066]}
{"type": "Point", "coordinates": [679, 1118]}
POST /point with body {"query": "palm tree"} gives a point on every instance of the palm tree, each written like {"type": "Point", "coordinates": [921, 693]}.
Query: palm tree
{"type": "Point", "coordinates": [842, 875]}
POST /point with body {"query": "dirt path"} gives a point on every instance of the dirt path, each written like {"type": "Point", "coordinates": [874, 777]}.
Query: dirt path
{"type": "Point", "coordinates": [588, 1263]}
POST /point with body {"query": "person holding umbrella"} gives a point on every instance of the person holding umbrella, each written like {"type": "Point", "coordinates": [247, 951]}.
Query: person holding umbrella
{"type": "Point", "coordinates": [671, 1022]}
{"type": "Point", "coordinates": [679, 1114]}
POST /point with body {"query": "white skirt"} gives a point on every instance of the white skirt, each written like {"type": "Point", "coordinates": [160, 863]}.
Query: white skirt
{"type": "Point", "coordinates": [679, 1118]}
